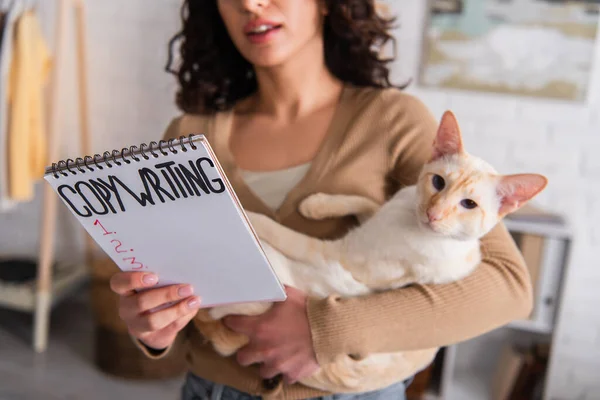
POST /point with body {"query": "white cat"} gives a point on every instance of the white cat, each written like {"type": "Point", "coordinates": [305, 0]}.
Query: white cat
{"type": "Point", "coordinates": [427, 233]}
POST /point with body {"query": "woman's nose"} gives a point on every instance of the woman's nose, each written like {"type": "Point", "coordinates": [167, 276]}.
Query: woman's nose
{"type": "Point", "coordinates": [255, 6]}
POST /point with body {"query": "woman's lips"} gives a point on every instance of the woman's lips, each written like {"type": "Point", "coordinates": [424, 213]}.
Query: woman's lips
{"type": "Point", "coordinates": [261, 31]}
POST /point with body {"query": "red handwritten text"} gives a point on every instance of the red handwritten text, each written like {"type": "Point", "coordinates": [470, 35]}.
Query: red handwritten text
{"type": "Point", "coordinates": [117, 247]}
{"type": "Point", "coordinates": [97, 223]}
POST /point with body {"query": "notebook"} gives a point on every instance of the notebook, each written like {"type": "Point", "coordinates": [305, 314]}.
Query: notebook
{"type": "Point", "coordinates": [168, 208]}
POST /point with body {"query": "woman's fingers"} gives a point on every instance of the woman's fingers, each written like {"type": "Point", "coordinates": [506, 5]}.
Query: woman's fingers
{"type": "Point", "coordinates": [126, 283]}
{"type": "Point", "coordinates": [165, 336]}
{"type": "Point", "coordinates": [150, 299]}
{"type": "Point", "coordinates": [160, 319]}
{"type": "Point", "coordinates": [153, 314]}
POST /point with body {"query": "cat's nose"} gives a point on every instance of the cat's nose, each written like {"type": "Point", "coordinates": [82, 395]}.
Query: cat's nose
{"type": "Point", "coordinates": [433, 216]}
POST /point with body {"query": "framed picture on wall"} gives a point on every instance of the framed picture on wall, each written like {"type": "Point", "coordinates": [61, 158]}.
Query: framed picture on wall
{"type": "Point", "coordinates": [539, 48]}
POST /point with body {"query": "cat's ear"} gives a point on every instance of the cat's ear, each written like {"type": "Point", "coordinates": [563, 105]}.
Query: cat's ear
{"type": "Point", "coordinates": [516, 190]}
{"type": "Point", "coordinates": [448, 140]}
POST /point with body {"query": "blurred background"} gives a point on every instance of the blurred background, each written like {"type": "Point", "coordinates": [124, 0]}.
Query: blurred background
{"type": "Point", "coordinates": [522, 76]}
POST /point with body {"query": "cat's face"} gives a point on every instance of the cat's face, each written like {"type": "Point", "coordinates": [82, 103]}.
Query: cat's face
{"type": "Point", "coordinates": [462, 196]}
{"type": "Point", "coordinates": [457, 197]}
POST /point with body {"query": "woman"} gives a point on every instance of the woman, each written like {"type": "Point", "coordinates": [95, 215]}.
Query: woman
{"type": "Point", "coordinates": [294, 99]}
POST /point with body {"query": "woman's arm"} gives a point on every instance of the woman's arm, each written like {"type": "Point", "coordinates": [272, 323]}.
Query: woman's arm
{"type": "Point", "coordinates": [424, 316]}
{"type": "Point", "coordinates": [177, 347]}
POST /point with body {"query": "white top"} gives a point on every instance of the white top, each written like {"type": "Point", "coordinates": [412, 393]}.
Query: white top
{"type": "Point", "coordinates": [273, 186]}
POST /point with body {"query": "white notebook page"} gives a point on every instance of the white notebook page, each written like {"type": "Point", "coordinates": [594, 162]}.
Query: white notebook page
{"type": "Point", "coordinates": [172, 215]}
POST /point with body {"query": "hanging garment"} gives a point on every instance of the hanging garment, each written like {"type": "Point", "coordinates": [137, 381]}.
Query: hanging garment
{"type": "Point", "coordinates": [6, 45]}
{"type": "Point", "coordinates": [29, 72]}
{"type": "Point", "coordinates": [2, 22]}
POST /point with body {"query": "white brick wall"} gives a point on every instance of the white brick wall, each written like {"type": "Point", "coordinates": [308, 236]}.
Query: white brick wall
{"type": "Point", "coordinates": [132, 101]}
{"type": "Point", "coordinates": [561, 141]}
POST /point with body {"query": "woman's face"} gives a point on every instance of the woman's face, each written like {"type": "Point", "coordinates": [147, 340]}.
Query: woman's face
{"type": "Point", "coordinates": [270, 32]}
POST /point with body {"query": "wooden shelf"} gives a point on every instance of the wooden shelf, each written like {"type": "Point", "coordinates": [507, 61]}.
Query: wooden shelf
{"type": "Point", "coordinates": [22, 297]}
{"type": "Point", "coordinates": [471, 378]}
{"type": "Point", "coordinates": [469, 385]}
{"type": "Point", "coordinates": [545, 229]}
{"type": "Point", "coordinates": [531, 326]}
{"type": "Point", "coordinates": [431, 396]}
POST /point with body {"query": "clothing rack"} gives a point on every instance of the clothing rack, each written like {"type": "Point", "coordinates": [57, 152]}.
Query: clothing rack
{"type": "Point", "coordinates": [44, 293]}
{"type": "Point", "coordinates": [48, 227]}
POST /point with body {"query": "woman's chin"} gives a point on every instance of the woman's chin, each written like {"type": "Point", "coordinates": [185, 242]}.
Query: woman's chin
{"type": "Point", "coordinates": [266, 57]}
{"type": "Point", "coordinates": [268, 63]}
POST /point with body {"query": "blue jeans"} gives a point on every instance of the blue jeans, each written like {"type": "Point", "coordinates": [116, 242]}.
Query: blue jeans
{"type": "Point", "coordinates": [196, 388]}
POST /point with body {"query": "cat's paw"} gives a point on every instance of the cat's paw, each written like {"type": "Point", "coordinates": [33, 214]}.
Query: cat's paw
{"type": "Point", "coordinates": [315, 206]}
{"type": "Point", "coordinates": [228, 345]}
{"type": "Point", "coordinates": [218, 312]}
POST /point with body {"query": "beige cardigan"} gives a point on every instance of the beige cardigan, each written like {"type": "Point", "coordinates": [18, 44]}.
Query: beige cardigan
{"type": "Point", "coordinates": [378, 141]}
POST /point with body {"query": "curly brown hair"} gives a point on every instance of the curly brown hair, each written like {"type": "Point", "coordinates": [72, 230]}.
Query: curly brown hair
{"type": "Point", "coordinates": [213, 75]}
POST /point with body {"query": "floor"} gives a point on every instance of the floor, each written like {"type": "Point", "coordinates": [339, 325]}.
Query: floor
{"type": "Point", "coordinates": [66, 371]}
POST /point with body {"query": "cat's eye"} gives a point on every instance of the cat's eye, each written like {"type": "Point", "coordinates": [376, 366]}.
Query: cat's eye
{"type": "Point", "coordinates": [468, 204]}
{"type": "Point", "coordinates": [438, 182]}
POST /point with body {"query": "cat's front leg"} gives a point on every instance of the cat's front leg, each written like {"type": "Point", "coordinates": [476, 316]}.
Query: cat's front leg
{"type": "Point", "coordinates": [254, 308]}
{"type": "Point", "coordinates": [321, 205]}
{"type": "Point", "coordinates": [294, 245]}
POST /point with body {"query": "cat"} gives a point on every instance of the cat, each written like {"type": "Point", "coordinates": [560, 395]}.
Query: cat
{"type": "Point", "coordinates": [427, 233]}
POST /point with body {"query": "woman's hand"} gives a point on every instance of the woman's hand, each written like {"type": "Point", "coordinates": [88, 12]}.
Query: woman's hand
{"type": "Point", "coordinates": [280, 339]}
{"type": "Point", "coordinates": [156, 329]}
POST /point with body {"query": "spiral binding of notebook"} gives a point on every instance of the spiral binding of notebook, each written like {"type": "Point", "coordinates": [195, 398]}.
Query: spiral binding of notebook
{"type": "Point", "coordinates": [126, 155]}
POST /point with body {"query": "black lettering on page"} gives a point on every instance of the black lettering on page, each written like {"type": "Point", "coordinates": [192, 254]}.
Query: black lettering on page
{"type": "Point", "coordinates": [143, 199]}
{"type": "Point", "coordinates": [101, 195]}
{"type": "Point", "coordinates": [185, 183]}
{"type": "Point", "coordinates": [149, 176]}
{"type": "Point", "coordinates": [194, 178]}
{"type": "Point", "coordinates": [89, 187]}
{"type": "Point", "coordinates": [61, 193]}
{"type": "Point", "coordinates": [170, 182]}
{"type": "Point", "coordinates": [104, 193]}
{"type": "Point", "coordinates": [167, 166]}
{"type": "Point", "coordinates": [113, 188]}
{"type": "Point", "coordinates": [221, 186]}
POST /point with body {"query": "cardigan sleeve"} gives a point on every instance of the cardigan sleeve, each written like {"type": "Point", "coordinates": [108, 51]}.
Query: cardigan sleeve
{"type": "Point", "coordinates": [424, 316]}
